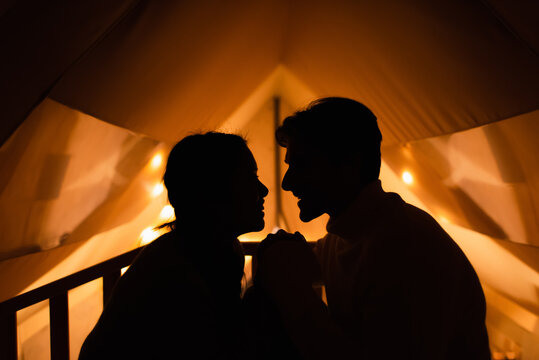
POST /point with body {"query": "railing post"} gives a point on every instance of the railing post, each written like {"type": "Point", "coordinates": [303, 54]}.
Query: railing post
{"type": "Point", "coordinates": [254, 265]}
{"type": "Point", "coordinates": [59, 320]}
{"type": "Point", "coordinates": [8, 336]}
{"type": "Point", "coordinates": [109, 281]}
{"type": "Point", "coordinates": [57, 294]}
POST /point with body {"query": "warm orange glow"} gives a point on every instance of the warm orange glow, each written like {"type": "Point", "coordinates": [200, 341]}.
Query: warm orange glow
{"type": "Point", "coordinates": [157, 189]}
{"type": "Point", "coordinates": [407, 177]}
{"type": "Point", "coordinates": [275, 229]}
{"type": "Point", "coordinates": [443, 219]}
{"type": "Point", "coordinates": [511, 355]}
{"type": "Point", "coordinates": [157, 160]}
{"type": "Point", "coordinates": [167, 213]}
{"type": "Point", "coordinates": [251, 237]}
{"type": "Point", "coordinates": [148, 235]}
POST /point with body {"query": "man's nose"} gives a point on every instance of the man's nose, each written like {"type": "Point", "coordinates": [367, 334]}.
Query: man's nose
{"type": "Point", "coordinates": [286, 184]}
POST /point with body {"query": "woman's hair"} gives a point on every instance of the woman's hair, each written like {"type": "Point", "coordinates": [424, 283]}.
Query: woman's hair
{"type": "Point", "coordinates": [199, 167]}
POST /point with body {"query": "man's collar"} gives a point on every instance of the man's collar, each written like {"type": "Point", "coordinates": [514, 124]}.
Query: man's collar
{"type": "Point", "coordinates": [362, 213]}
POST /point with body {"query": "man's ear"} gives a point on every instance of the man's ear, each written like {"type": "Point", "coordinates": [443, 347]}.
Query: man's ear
{"type": "Point", "coordinates": [350, 169]}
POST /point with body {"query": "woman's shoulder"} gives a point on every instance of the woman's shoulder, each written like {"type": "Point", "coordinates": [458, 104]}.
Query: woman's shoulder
{"type": "Point", "coordinates": [161, 249]}
{"type": "Point", "coordinates": [161, 259]}
{"type": "Point", "coordinates": [161, 267]}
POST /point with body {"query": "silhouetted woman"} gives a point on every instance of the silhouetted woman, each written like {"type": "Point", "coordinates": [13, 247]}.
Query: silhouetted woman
{"type": "Point", "coordinates": [180, 299]}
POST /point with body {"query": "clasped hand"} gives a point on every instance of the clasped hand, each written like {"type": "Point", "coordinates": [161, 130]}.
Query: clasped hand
{"type": "Point", "coordinates": [286, 264]}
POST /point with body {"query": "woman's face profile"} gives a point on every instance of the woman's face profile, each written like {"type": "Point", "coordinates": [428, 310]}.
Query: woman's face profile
{"type": "Point", "coordinates": [213, 185]}
{"type": "Point", "coordinates": [246, 195]}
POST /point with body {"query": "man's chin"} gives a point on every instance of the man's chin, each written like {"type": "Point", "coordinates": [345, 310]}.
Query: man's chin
{"type": "Point", "coordinates": [307, 215]}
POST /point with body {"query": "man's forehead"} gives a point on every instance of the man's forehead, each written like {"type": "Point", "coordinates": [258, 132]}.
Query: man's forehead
{"type": "Point", "coordinates": [297, 150]}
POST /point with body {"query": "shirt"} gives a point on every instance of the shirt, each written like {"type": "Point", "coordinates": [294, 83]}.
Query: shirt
{"type": "Point", "coordinates": [398, 285]}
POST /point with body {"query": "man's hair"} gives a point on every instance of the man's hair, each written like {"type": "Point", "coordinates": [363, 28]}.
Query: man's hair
{"type": "Point", "coordinates": [339, 127]}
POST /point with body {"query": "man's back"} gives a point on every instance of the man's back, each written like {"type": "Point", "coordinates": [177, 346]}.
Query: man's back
{"type": "Point", "coordinates": [398, 285]}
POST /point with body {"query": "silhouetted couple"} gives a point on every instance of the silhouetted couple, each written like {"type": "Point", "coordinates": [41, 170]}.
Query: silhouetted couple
{"type": "Point", "coordinates": [397, 285]}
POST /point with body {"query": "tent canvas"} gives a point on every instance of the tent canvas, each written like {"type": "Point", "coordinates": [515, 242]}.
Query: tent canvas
{"type": "Point", "coordinates": [92, 90]}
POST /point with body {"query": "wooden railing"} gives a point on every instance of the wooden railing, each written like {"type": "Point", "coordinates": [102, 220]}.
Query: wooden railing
{"type": "Point", "coordinates": [57, 294]}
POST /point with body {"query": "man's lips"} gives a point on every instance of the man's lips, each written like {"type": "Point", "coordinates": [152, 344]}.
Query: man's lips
{"type": "Point", "coordinates": [299, 196]}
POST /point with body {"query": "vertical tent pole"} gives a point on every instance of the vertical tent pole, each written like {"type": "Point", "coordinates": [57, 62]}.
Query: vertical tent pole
{"type": "Point", "coordinates": [280, 219]}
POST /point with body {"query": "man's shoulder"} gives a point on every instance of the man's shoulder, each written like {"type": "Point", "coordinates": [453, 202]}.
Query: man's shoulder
{"type": "Point", "coordinates": [322, 245]}
{"type": "Point", "coordinates": [410, 219]}
{"type": "Point", "coordinates": [430, 243]}
{"type": "Point", "coordinates": [327, 240]}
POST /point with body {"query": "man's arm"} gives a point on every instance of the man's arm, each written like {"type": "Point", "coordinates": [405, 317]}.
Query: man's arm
{"type": "Point", "coordinates": [287, 270]}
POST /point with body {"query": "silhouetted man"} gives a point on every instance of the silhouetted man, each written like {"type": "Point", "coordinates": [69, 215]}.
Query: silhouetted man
{"type": "Point", "coordinates": [397, 285]}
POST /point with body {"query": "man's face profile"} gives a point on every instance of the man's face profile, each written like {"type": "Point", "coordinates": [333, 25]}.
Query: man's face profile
{"type": "Point", "coordinates": [310, 177]}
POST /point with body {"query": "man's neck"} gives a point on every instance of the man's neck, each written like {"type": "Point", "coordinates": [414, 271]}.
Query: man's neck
{"type": "Point", "coordinates": [345, 200]}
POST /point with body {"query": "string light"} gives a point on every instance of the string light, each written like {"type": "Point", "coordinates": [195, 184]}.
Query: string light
{"type": "Point", "coordinates": [156, 161]}
{"type": "Point", "coordinates": [443, 219]}
{"type": "Point", "coordinates": [167, 212]}
{"type": "Point", "coordinates": [510, 355]}
{"type": "Point", "coordinates": [148, 235]}
{"type": "Point", "coordinates": [157, 189]}
{"type": "Point", "coordinates": [407, 177]}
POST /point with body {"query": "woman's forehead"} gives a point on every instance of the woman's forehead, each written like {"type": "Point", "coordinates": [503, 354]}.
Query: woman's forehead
{"type": "Point", "coordinates": [243, 159]}
{"type": "Point", "coordinates": [250, 159]}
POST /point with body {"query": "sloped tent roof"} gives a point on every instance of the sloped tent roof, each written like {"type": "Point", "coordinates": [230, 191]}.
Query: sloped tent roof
{"type": "Point", "coordinates": [425, 68]}
{"type": "Point", "coordinates": [152, 71]}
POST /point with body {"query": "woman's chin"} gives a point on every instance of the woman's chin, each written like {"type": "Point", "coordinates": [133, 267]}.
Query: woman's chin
{"type": "Point", "coordinates": [258, 226]}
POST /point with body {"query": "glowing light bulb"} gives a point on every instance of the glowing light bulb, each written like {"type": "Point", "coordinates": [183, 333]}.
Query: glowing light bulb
{"type": "Point", "coordinates": [167, 212]}
{"type": "Point", "coordinates": [148, 235]}
{"type": "Point", "coordinates": [157, 160]}
{"type": "Point", "coordinates": [407, 177]}
{"type": "Point", "coordinates": [157, 189]}
{"type": "Point", "coordinates": [510, 355]}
